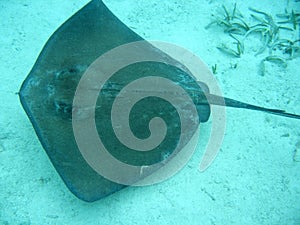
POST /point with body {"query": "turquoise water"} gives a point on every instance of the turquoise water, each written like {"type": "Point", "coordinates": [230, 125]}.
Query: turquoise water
{"type": "Point", "coordinates": [255, 177]}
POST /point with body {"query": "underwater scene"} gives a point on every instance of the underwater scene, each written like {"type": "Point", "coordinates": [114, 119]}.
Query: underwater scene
{"type": "Point", "coordinates": [150, 112]}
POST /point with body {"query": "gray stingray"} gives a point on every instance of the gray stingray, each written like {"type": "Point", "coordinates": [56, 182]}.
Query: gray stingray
{"type": "Point", "coordinates": [48, 91]}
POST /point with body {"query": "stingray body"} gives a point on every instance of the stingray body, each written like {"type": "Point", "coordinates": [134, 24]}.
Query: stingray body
{"type": "Point", "coordinates": [48, 92]}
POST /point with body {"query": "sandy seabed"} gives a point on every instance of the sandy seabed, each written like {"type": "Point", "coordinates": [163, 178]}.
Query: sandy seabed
{"type": "Point", "coordinates": [255, 178]}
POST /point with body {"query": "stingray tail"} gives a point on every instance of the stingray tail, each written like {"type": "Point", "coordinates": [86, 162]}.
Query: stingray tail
{"type": "Point", "coordinates": [217, 100]}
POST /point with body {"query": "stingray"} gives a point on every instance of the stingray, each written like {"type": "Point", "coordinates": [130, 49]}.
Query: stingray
{"type": "Point", "coordinates": [48, 92]}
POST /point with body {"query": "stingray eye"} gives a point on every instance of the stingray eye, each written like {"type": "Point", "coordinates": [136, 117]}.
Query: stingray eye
{"type": "Point", "coordinates": [64, 108]}
{"type": "Point", "coordinates": [72, 70]}
{"type": "Point", "coordinates": [62, 88]}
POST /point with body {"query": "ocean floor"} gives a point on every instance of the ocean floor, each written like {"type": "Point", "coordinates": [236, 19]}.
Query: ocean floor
{"type": "Point", "coordinates": [254, 179]}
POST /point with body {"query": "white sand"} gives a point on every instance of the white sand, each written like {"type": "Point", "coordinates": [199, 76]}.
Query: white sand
{"type": "Point", "coordinates": [254, 179]}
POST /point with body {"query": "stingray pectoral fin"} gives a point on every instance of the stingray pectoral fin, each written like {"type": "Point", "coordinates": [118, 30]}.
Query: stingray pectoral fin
{"type": "Point", "coordinates": [48, 91]}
